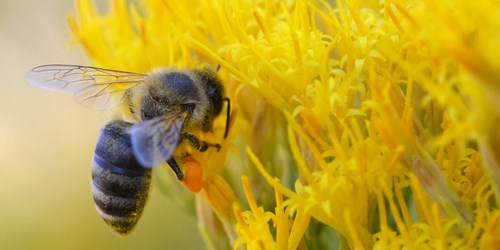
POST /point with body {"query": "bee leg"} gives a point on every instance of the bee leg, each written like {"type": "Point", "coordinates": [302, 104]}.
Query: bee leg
{"type": "Point", "coordinates": [176, 168]}
{"type": "Point", "coordinates": [200, 145]}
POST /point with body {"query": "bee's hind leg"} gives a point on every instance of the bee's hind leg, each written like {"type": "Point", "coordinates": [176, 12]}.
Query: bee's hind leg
{"type": "Point", "coordinates": [198, 144]}
{"type": "Point", "coordinates": [177, 170]}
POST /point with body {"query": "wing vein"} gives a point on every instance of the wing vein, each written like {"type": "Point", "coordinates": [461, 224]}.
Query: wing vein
{"type": "Point", "coordinates": [94, 87]}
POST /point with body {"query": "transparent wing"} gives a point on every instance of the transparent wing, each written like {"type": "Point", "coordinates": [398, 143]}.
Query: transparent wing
{"type": "Point", "coordinates": [154, 141]}
{"type": "Point", "coordinates": [92, 87]}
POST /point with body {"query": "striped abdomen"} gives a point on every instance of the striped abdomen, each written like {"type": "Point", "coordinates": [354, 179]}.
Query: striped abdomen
{"type": "Point", "coordinates": [120, 185]}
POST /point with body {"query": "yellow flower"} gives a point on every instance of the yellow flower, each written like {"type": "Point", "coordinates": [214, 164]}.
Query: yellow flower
{"type": "Point", "coordinates": [253, 225]}
{"type": "Point", "coordinates": [375, 124]}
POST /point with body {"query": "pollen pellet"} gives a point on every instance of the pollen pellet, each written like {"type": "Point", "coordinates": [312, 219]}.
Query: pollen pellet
{"type": "Point", "coordinates": [193, 174]}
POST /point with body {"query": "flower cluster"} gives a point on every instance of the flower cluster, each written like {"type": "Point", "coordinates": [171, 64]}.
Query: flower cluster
{"type": "Point", "coordinates": [356, 124]}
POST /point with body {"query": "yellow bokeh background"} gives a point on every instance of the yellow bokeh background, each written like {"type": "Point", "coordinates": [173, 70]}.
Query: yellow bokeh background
{"type": "Point", "coordinates": [46, 146]}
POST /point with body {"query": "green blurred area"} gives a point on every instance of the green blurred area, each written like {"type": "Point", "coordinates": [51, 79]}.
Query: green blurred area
{"type": "Point", "coordinates": [46, 146]}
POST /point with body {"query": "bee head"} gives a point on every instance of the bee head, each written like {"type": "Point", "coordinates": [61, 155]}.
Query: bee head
{"type": "Point", "coordinates": [213, 89]}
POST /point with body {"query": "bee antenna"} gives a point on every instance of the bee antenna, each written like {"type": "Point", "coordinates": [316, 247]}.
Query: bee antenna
{"type": "Point", "coordinates": [217, 68]}
{"type": "Point", "coordinates": [227, 116]}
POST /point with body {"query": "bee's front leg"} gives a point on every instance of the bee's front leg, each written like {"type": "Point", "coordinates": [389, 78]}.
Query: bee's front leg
{"type": "Point", "coordinates": [198, 144]}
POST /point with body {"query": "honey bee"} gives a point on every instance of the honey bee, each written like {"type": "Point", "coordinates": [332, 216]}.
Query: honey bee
{"type": "Point", "coordinates": [168, 105]}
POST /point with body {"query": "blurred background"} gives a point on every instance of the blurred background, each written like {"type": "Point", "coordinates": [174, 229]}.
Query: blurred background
{"type": "Point", "coordinates": [46, 147]}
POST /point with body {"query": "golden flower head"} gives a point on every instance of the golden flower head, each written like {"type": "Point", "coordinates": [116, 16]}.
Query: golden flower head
{"type": "Point", "coordinates": [373, 123]}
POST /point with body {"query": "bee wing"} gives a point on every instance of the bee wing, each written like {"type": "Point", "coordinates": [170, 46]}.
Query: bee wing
{"type": "Point", "coordinates": [154, 141]}
{"type": "Point", "coordinates": [92, 87]}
